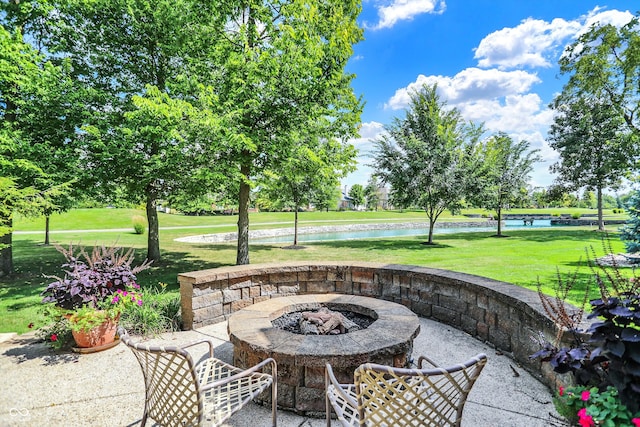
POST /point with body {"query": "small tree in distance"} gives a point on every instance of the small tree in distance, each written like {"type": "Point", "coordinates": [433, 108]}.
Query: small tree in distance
{"type": "Point", "coordinates": [424, 156]}
{"type": "Point", "coordinates": [357, 195]}
{"type": "Point", "coordinates": [506, 168]}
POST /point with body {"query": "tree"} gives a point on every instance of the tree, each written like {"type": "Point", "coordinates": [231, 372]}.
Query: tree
{"type": "Point", "coordinates": [34, 123]}
{"type": "Point", "coordinates": [371, 193]}
{"type": "Point", "coordinates": [594, 146]}
{"type": "Point", "coordinates": [356, 193]}
{"type": "Point", "coordinates": [279, 65]}
{"type": "Point", "coordinates": [507, 165]}
{"type": "Point", "coordinates": [424, 156]}
{"type": "Point", "coordinates": [312, 167]}
{"type": "Point", "coordinates": [604, 63]}
{"type": "Point", "coordinates": [141, 134]}
{"type": "Point", "coordinates": [630, 232]}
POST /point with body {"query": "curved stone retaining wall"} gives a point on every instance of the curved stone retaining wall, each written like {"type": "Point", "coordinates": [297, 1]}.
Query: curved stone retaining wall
{"type": "Point", "coordinates": [505, 315]}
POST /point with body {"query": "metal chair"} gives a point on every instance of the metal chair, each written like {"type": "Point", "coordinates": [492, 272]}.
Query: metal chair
{"type": "Point", "coordinates": [387, 396]}
{"type": "Point", "coordinates": [180, 392]}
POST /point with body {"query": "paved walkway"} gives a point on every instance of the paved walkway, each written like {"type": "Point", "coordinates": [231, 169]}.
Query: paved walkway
{"type": "Point", "coordinates": [43, 388]}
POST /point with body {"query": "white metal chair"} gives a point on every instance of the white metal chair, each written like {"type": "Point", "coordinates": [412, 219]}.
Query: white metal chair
{"type": "Point", "coordinates": [387, 396]}
{"type": "Point", "coordinates": [179, 392]}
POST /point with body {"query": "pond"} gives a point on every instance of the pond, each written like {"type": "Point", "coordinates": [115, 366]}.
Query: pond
{"type": "Point", "coordinates": [511, 224]}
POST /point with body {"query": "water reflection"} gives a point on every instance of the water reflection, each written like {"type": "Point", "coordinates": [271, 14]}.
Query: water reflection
{"type": "Point", "coordinates": [512, 224]}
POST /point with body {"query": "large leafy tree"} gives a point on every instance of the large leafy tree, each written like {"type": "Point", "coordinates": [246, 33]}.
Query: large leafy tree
{"type": "Point", "coordinates": [280, 65]}
{"type": "Point", "coordinates": [595, 146]}
{"type": "Point", "coordinates": [135, 57]}
{"type": "Point", "coordinates": [424, 156]}
{"type": "Point", "coordinates": [503, 168]}
{"type": "Point", "coordinates": [604, 63]}
{"type": "Point", "coordinates": [37, 109]}
{"type": "Point", "coordinates": [356, 193]}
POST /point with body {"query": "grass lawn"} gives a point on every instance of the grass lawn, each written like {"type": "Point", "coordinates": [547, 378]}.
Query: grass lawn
{"type": "Point", "coordinates": [524, 258]}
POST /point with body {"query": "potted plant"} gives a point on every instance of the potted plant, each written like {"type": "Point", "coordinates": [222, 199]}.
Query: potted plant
{"type": "Point", "coordinates": [95, 290]}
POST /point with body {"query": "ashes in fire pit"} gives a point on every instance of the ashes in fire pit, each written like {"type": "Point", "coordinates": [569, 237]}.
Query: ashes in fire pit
{"type": "Point", "coordinates": [322, 322]}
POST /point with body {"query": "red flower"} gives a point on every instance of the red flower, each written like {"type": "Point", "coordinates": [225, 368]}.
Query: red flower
{"type": "Point", "coordinates": [30, 325]}
{"type": "Point", "coordinates": [54, 337]}
{"type": "Point", "coordinates": [585, 395]}
{"type": "Point", "coordinates": [636, 422]}
{"type": "Point", "coordinates": [561, 391]}
{"type": "Point", "coordinates": [585, 420]}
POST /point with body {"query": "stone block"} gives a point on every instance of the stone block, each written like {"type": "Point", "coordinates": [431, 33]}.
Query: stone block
{"type": "Point", "coordinates": [240, 282]}
{"type": "Point", "coordinates": [421, 308]}
{"type": "Point", "coordinates": [446, 315]}
{"type": "Point", "coordinates": [310, 399]}
{"type": "Point", "coordinates": [362, 275]}
{"type": "Point", "coordinates": [240, 304]}
{"type": "Point", "coordinates": [283, 277]}
{"type": "Point", "coordinates": [338, 274]}
{"type": "Point", "coordinates": [207, 300]}
{"type": "Point", "coordinates": [320, 287]}
{"type": "Point", "coordinates": [312, 276]}
{"type": "Point", "coordinates": [452, 303]}
{"type": "Point", "coordinates": [268, 290]}
{"type": "Point", "coordinates": [422, 283]}
{"type": "Point", "coordinates": [254, 291]}
{"type": "Point", "coordinates": [468, 324]}
{"type": "Point", "coordinates": [343, 287]}
{"type": "Point", "coordinates": [229, 295]}
{"type": "Point", "coordinates": [370, 289]}
{"type": "Point", "coordinates": [314, 377]}
{"type": "Point", "coordinates": [482, 331]}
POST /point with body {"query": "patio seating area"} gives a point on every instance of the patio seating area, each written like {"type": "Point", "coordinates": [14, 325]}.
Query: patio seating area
{"type": "Point", "coordinates": [41, 387]}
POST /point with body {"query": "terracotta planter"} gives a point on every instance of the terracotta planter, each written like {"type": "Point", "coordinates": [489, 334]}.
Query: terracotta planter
{"type": "Point", "coordinates": [99, 336]}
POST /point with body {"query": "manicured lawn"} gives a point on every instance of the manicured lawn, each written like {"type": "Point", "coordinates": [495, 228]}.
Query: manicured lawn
{"type": "Point", "coordinates": [524, 258]}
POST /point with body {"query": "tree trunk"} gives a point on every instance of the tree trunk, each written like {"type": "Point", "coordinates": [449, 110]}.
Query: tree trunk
{"type": "Point", "coordinates": [499, 212]}
{"type": "Point", "coordinates": [153, 238]}
{"type": "Point", "coordinates": [600, 220]}
{"type": "Point", "coordinates": [243, 218]}
{"type": "Point", "coordinates": [46, 230]}
{"type": "Point", "coordinates": [6, 254]}
{"type": "Point", "coordinates": [295, 227]}
{"type": "Point", "coordinates": [431, 225]}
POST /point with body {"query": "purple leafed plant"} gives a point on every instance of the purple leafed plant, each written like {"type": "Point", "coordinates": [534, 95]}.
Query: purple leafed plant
{"type": "Point", "coordinates": [90, 279]}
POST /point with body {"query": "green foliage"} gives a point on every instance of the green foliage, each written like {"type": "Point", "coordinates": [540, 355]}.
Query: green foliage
{"type": "Point", "coordinates": [630, 232]}
{"type": "Point", "coordinates": [502, 169]}
{"type": "Point", "coordinates": [356, 192]}
{"type": "Point", "coordinates": [425, 156]}
{"type": "Point", "coordinates": [139, 224]}
{"type": "Point", "coordinates": [159, 313]}
{"type": "Point", "coordinates": [602, 407]}
{"type": "Point", "coordinates": [604, 63]}
{"type": "Point", "coordinates": [576, 215]}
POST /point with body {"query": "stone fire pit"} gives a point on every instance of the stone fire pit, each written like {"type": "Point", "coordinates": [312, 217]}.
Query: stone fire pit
{"type": "Point", "coordinates": [301, 358]}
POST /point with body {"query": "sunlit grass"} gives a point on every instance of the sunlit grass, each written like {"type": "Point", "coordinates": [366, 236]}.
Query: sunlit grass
{"type": "Point", "coordinates": [523, 258]}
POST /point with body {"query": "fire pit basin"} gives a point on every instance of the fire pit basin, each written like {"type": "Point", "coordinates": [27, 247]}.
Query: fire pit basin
{"type": "Point", "coordinates": [301, 358]}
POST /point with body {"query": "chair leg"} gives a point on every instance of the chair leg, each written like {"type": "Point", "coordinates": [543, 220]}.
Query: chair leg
{"type": "Point", "coordinates": [327, 408]}
{"type": "Point", "coordinates": [274, 395]}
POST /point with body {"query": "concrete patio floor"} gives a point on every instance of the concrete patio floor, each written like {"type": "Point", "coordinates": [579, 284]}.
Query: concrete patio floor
{"type": "Point", "coordinates": [40, 387]}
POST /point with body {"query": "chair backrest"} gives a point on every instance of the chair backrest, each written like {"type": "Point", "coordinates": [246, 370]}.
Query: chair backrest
{"type": "Point", "coordinates": [390, 396]}
{"type": "Point", "coordinates": [172, 392]}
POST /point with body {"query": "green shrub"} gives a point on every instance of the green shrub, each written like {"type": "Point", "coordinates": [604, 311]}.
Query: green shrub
{"type": "Point", "coordinates": [139, 224]}
{"type": "Point", "coordinates": [576, 215]}
{"type": "Point", "coordinates": [159, 313]}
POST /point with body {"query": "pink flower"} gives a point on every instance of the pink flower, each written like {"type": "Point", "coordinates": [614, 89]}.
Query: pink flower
{"type": "Point", "coordinates": [561, 391]}
{"type": "Point", "coordinates": [115, 300]}
{"type": "Point", "coordinates": [54, 337]}
{"type": "Point", "coordinates": [585, 395]}
{"type": "Point", "coordinates": [636, 422]}
{"type": "Point", "coordinates": [585, 420]}
{"type": "Point", "coordinates": [140, 303]}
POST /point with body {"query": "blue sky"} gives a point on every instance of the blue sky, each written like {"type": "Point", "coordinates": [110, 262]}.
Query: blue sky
{"type": "Point", "coordinates": [494, 60]}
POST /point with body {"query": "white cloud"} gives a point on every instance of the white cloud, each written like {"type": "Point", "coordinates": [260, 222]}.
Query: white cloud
{"type": "Point", "coordinates": [468, 85]}
{"type": "Point", "coordinates": [511, 114]}
{"type": "Point", "coordinates": [525, 45]}
{"type": "Point", "coordinates": [538, 43]}
{"type": "Point", "coordinates": [405, 10]}
{"type": "Point", "coordinates": [616, 18]}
